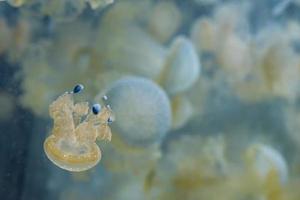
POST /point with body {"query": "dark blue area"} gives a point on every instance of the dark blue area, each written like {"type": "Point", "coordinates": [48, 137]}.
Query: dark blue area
{"type": "Point", "coordinates": [15, 136]}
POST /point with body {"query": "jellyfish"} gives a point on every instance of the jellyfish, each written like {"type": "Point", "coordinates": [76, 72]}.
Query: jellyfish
{"type": "Point", "coordinates": [204, 35]}
{"type": "Point", "coordinates": [99, 3]}
{"type": "Point", "coordinates": [71, 145]}
{"type": "Point", "coordinates": [164, 21]}
{"type": "Point", "coordinates": [181, 67]}
{"type": "Point", "coordinates": [142, 109]}
{"type": "Point", "coordinates": [16, 3]}
{"type": "Point", "coordinates": [191, 166]}
{"type": "Point", "coordinates": [266, 161]}
{"type": "Point", "coordinates": [131, 50]}
{"type": "Point", "coordinates": [182, 111]}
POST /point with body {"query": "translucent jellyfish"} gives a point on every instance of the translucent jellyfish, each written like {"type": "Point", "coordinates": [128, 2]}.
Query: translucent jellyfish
{"type": "Point", "coordinates": [16, 3]}
{"type": "Point", "coordinates": [279, 67]}
{"type": "Point", "coordinates": [60, 10]}
{"type": "Point", "coordinates": [266, 161]}
{"type": "Point", "coordinates": [130, 49]}
{"type": "Point", "coordinates": [14, 39]}
{"type": "Point", "coordinates": [71, 145]}
{"type": "Point", "coordinates": [203, 35]}
{"type": "Point", "coordinates": [142, 109]}
{"type": "Point", "coordinates": [21, 35]}
{"type": "Point", "coordinates": [275, 69]}
{"type": "Point", "coordinates": [99, 3]}
{"type": "Point", "coordinates": [191, 163]}
{"type": "Point", "coordinates": [181, 67]}
{"type": "Point", "coordinates": [237, 61]}
{"type": "Point", "coordinates": [124, 46]}
{"type": "Point", "coordinates": [164, 21]}
{"type": "Point", "coordinates": [182, 110]}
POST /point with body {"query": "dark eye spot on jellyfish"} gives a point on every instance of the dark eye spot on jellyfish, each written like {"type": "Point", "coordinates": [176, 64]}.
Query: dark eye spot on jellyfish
{"type": "Point", "coordinates": [78, 88]}
{"type": "Point", "coordinates": [110, 120]}
{"type": "Point", "coordinates": [96, 108]}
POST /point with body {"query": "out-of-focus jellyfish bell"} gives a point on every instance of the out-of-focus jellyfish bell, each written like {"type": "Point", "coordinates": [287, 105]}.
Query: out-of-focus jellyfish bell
{"type": "Point", "coordinates": [16, 3]}
{"type": "Point", "coordinates": [71, 146]}
{"type": "Point", "coordinates": [164, 20]}
{"type": "Point", "coordinates": [182, 110]}
{"type": "Point", "coordinates": [181, 67]}
{"type": "Point", "coordinates": [142, 110]}
{"type": "Point", "coordinates": [99, 3]}
{"type": "Point", "coordinates": [266, 161]}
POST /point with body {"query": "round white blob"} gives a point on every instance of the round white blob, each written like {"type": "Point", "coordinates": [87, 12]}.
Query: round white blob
{"type": "Point", "coordinates": [142, 110]}
{"type": "Point", "coordinates": [181, 68]}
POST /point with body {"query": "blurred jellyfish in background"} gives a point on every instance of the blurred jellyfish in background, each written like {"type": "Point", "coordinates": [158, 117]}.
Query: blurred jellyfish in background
{"type": "Point", "coordinates": [204, 94]}
{"type": "Point", "coordinates": [141, 125]}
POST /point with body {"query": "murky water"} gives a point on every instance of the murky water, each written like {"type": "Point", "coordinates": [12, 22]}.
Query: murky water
{"type": "Point", "coordinates": [148, 99]}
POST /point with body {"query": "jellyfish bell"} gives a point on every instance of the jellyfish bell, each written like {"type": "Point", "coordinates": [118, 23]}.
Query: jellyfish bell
{"type": "Point", "coordinates": [71, 157]}
{"type": "Point", "coordinates": [164, 21]}
{"type": "Point", "coordinates": [182, 111]}
{"type": "Point", "coordinates": [72, 144]}
{"type": "Point", "coordinates": [264, 161]}
{"type": "Point", "coordinates": [181, 67]}
{"type": "Point", "coordinates": [99, 3]}
{"type": "Point", "coordinates": [142, 110]}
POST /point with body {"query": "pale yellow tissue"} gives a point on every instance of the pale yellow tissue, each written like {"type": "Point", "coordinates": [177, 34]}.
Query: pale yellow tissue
{"type": "Point", "coordinates": [182, 111]}
{"type": "Point", "coordinates": [72, 146]}
{"type": "Point", "coordinates": [237, 62]}
{"type": "Point", "coordinates": [164, 21]}
{"type": "Point", "coordinates": [16, 3]}
{"type": "Point", "coordinates": [204, 35]}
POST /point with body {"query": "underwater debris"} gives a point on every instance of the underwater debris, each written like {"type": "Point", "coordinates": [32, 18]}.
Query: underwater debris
{"type": "Point", "coordinates": [142, 108]}
{"type": "Point", "coordinates": [72, 143]}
